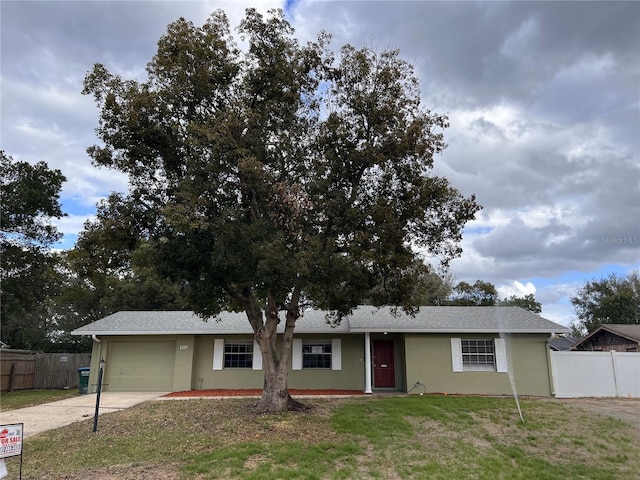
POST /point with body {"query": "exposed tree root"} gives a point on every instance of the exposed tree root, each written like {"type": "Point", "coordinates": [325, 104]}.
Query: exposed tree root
{"type": "Point", "coordinates": [292, 405]}
{"type": "Point", "coordinates": [295, 406]}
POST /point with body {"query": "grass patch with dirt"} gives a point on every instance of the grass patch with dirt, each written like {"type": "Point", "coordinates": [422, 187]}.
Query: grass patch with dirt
{"type": "Point", "coordinates": [380, 438]}
{"type": "Point", "coordinates": [29, 398]}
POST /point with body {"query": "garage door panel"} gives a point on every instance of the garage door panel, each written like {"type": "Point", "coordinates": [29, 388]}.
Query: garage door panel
{"type": "Point", "coordinates": [140, 366]}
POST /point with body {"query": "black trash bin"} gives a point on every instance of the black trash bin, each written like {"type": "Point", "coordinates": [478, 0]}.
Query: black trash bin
{"type": "Point", "coordinates": [83, 380]}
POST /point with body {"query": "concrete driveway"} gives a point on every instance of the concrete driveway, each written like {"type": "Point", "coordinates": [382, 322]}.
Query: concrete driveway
{"type": "Point", "coordinates": [64, 412]}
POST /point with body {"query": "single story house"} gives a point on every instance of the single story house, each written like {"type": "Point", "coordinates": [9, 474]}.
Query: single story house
{"type": "Point", "coordinates": [457, 350]}
{"type": "Point", "coordinates": [618, 337]}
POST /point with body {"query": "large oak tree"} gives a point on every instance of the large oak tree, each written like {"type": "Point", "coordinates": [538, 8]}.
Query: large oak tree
{"type": "Point", "coordinates": [278, 177]}
{"type": "Point", "coordinates": [613, 299]}
{"type": "Point", "coordinates": [28, 277]}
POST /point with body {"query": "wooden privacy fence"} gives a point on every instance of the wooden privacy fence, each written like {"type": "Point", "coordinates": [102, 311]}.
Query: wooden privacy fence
{"type": "Point", "coordinates": [18, 371]}
{"type": "Point", "coordinates": [59, 370]}
{"type": "Point", "coordinates": [41, 371]}
{"type": "Point", "coordinates": [596, 374]}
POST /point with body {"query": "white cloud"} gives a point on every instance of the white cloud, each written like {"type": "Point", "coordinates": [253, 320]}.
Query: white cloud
{"type": "Point", "coordinates": [72, 225]}
{"type": "Point", "coordinates": [516, 288]}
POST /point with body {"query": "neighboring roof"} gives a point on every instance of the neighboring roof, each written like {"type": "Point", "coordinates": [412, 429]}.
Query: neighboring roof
{"type": "Point", "coordinates": [632, 332]}
{"type": "Point", "coordinates": [363, 319]}
{"type": "Point", "coordinates": [560, 344]}
{"type": "Point", "coordinates": [629, 331]}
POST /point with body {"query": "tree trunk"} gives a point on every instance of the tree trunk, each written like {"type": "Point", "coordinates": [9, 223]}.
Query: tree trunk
{"type": "Point", "coordinates": [275, 394]}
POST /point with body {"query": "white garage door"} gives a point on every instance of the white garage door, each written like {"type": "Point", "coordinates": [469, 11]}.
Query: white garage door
{"type": "Point", "coordinates": [140, 366]}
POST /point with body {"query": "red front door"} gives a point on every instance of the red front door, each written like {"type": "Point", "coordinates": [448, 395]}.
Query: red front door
{"type": "Point", "coordinates": [383, 369]}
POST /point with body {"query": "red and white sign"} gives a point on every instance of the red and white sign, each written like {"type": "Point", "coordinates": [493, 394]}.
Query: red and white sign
{"type": "Point", "coordinates": [11, 440]}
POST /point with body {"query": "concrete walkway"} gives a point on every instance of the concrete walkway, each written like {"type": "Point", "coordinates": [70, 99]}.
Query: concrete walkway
{"type": "Point", "coordinates": [65, 412]}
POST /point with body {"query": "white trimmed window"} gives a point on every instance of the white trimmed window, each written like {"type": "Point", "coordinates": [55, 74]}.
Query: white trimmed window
{"type": "Point", "coordinates": [317, 354]}
{"type": "Point", "coordinates": [478, 354]}
{"type": "Point", "coordinates": [236, 354]}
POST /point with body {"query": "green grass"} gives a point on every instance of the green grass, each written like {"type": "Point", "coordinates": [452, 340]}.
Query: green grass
{"type": "Point", "coordinates": [29, 398]}
{"type": "Point", "coordinates": [378, 438]}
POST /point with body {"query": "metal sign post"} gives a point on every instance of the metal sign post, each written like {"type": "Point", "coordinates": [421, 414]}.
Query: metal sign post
{"type": "Point", "coordinates": [95, 416]}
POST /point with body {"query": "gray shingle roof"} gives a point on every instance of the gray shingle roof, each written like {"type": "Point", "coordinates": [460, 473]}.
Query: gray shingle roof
{"type": "Point", "coordinates": [563, 344]}
{"type": "Point", "coordinates": [630, 331]}
{"type": "Point", "coordinates": [183, 322]}
{"type": "Point", "coordinates": [454, 320]}
{"type": "Point", "coordinates": [363, 319]}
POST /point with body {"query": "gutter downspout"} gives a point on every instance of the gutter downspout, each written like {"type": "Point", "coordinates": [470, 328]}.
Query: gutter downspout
{"type": "Point", "coordinates": [95, 339]}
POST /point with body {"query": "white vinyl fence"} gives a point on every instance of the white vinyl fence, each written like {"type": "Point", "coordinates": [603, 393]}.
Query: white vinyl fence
{"type": "Point", "coordinates": [596, 374]}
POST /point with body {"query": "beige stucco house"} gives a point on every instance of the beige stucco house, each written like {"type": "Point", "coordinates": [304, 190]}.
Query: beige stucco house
{"type": "Point", "coordinates": [458, 350]}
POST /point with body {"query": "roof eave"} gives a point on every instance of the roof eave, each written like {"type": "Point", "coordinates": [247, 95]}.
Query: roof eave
{"type": "Point", "coordinates": [457, 330]}
{"type": "Point", "coordinates": [158, 332]}
{"type": "Point", "coordinates": [317, 331]}
{"type": "Point", "coordinates": [189, 332]}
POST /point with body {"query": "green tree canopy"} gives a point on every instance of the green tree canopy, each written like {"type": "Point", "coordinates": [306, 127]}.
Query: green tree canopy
{"type": "Point", "coordinates": [109, 269]}
{"type": "Point", "coordinates": [30, 200]}
{"type": "Point", "coordinates": [528, 302]}
{"type": "Point", "coordinates": [279, 177]}
{"type": "Point", "coordinates": [480, 293]}
{"type": "Point", "coordinates": [426, 287]}
{"type": "Point", "coordinates": [614, 299]}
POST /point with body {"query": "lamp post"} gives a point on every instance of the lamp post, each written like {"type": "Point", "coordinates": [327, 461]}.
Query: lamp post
{"type": "Point", "coordinates": [95, 416]}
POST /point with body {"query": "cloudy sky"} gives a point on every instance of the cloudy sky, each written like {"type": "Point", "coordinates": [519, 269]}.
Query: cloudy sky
{"type": "Point", "coordinates": [543, 100]}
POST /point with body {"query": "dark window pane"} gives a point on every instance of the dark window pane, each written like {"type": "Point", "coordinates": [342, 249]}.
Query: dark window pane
{"type": "Point", "coordinates": [238, 355]}
{"type": "Point", "coordinates": [316, 355]}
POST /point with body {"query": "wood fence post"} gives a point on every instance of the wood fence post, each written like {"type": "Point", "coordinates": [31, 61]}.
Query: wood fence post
{"type": "Point", "coordinates": [12, 373]}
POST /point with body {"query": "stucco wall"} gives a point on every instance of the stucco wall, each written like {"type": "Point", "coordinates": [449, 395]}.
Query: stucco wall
{"type": "Point", "coordinates": [351, 376]}
{"type": "Point", "coordinates": [96, 355]}
{"type": "Point", "coordinates": [183, 370]}
{"type": "Point", "coordinates": [429, 361]}
{"type": "Point", "coordinates": [204, 377]}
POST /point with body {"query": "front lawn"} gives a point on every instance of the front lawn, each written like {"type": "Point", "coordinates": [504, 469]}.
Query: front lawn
{"type": "Point", "coordinates": [29, 398]}
{"type": "Point", "coordinates": [379, 438]}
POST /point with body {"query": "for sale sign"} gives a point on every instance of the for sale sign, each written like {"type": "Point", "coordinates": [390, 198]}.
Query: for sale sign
{"type": "Point", "coordinates": [11, 440]}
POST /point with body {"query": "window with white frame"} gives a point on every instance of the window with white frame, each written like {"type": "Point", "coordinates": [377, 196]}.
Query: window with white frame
{"type": "Point", "coordinates": [316, 354]}
{"type": "Point", "coordinates": [478, 354]}
{"type": "Point", "coordinates": [238, 354]}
